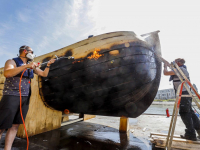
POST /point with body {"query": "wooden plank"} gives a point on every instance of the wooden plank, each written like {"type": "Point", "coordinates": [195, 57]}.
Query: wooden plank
{"type": "Point", "coordinates": [1, 86]}
{"type": "Point", "coordinates": [178, 139]}
{"type": "Point", "coordinates": [1, 92]}
{"type": "Point", "coordinates": [162, 134]}
{"type": "Point", "coordinates": [106, 61]}
{"type": "Point", "coordinates": [177, 144]}
{"type": "Point", "coordinates": [39, 118]}
{"type": "Point", "coordinates": [82, 49]}
{"type": "Point", "coordinates": [2, 80]}
{"type": "Point", "coordinates": [159, 140]}
{"type": "Point", "coordinates": [50, 90]}
{"type": "Point", "coordinates": [87, 117]}
{"type": "Point", "coordinates": [65, 118]}
{"type": "Point", "coordinates": [70, 122]}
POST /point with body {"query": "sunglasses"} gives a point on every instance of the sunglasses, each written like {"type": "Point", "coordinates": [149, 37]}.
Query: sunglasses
{"type": "Point", "coordinates": [31, 51]}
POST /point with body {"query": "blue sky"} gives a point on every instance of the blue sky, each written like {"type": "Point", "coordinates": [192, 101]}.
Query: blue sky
{"type": "Point", "coordinates": [48, 25]}
{"type": "Point", "coordinates": [43, 25]}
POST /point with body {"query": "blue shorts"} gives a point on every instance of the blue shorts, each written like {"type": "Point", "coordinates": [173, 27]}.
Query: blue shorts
{"type": "Point", "coordinates": [10, 110]}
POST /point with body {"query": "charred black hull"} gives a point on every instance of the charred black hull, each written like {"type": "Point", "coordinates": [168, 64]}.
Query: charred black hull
{"type": "Point", "coordinates": [122, 84]}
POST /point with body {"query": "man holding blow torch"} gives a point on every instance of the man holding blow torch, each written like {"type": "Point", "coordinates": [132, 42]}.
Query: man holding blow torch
{"type": "Point", "coordinates": [10, 117]}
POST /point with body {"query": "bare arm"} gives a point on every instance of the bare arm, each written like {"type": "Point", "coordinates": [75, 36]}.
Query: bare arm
{"type": "Point", "coordinates": [166, 72]}
{"type": "Point", "coordinates": [46, 70]}
{"type": "Point", "coordinates": [10, 68]}
{"type": "Point", "coordinates": [41, 72]}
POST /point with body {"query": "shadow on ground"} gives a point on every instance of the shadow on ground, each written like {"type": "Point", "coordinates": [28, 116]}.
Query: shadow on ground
{"type": "Point", "coordinates": [83, 136]}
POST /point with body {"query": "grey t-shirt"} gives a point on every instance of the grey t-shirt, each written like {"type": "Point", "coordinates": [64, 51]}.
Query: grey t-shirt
{"type": "Point", "coordinates": [176, 80]}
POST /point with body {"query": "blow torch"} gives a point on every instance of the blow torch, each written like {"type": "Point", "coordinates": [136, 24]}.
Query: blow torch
{"type": "Point", "coordinates": [44, 63]}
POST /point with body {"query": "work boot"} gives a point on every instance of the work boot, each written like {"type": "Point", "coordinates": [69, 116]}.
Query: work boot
{"type": "Point", "coordinates": [189, 135]}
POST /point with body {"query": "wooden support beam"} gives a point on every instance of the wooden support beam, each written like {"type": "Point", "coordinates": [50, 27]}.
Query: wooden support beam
{"type": "Point", "coordinates": [86, 117]}
{"type": "Point", "coordinates": [124, 139]}
{"type": "Point", "coordinates": [124, 124]}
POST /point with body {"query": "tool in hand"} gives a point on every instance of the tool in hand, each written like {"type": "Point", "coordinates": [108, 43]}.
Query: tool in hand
{"type": "Point", "coordinates": [44, 63]}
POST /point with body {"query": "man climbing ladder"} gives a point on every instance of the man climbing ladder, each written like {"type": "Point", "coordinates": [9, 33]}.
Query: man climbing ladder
{"type": "Point", "coordinates": [186, 112]}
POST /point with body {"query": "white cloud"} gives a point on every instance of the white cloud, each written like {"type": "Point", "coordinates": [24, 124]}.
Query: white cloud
{"type": "Point", "coordinates": [4, 50]}
{"type": "Point", "coordinates": [43, 44]}
{"type": "Point", "coordinates": [5, 27]}
{"type": "Point", "coordinates": [71, 21]}
{"type": "Point", "coordinates": [73, 17]}
{"type": "Point", "coordinates": [24, 15]}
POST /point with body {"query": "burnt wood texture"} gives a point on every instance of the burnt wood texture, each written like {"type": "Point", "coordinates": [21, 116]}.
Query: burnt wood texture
{"type": "Point", "coordinates": [123, 81]}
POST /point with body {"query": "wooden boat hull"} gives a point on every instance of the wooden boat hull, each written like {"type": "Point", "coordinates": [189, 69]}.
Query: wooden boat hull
{"type": "Point", "coordinates": [123, 81]}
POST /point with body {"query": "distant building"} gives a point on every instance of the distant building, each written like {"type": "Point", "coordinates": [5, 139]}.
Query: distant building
{"type": "Point", "coordinates": [165, 94]}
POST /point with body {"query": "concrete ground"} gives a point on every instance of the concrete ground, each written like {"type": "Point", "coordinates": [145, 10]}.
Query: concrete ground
{"type": "Point", "coordinates": [143, 125]}
{"type": "Point", "coordinates": [100, 133]}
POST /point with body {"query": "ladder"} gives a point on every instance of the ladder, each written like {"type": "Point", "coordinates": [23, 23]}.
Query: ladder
{"type": "Point", "coordinates": [183, 80]}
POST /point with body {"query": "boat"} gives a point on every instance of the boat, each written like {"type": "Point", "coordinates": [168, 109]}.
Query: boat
{"type": "Point", "coordinates": [113, 74]}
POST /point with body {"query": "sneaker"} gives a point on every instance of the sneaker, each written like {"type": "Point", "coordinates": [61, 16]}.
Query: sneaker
{"type": "Point", "coordinates": [194, 138]}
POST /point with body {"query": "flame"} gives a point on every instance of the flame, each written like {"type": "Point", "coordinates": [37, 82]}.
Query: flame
{"type": "Point", "coordinates": [95, 55]}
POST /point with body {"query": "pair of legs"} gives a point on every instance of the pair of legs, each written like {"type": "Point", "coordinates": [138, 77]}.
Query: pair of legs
{"type": "Point", "coordinates": [190, 120]}
{"type": "Point", "coordinates": [10, 117]}
{"type": "Point", "coordinates": [10, 136]}
{"type": "Point", "coordinates": [188, 117]}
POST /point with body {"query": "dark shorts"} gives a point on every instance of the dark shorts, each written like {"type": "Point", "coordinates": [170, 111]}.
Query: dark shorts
{"type": "Point", "coordinates": [10, 110]}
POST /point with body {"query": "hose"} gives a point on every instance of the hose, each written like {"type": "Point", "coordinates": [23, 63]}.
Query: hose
{"type": "Point", "coordinates": [21, 108]}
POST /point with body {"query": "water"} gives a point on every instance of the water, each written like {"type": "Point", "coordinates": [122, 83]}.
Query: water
{"type": "Point", "coordinates": [161, 109]}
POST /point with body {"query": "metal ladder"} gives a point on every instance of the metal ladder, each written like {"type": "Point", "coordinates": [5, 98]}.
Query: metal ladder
{"type": "Point", "coordinates": [183, 80]}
